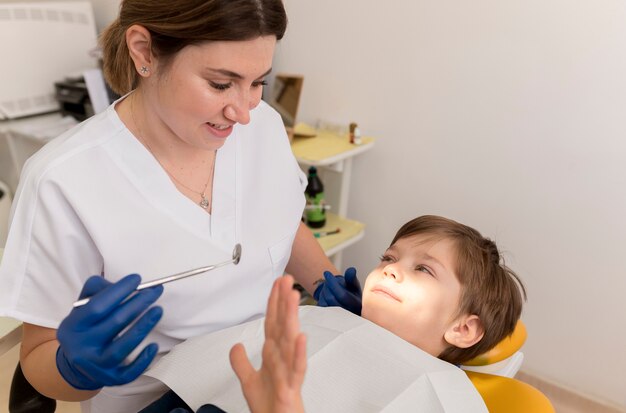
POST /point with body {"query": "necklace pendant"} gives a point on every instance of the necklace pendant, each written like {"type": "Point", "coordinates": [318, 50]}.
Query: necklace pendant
{"type": "Point", "coordinates": [204, 203]}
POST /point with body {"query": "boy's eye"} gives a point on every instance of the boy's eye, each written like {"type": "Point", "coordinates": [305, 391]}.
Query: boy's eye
{"type": "Point", "coordinates": [386, 258]}
{"type": "Point", "coordinates": [423, 268]}
{"type": "Point", "coordinates": [220, 86]}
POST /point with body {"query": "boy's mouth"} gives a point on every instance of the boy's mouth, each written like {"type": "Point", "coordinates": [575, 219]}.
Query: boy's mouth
{"type": "Point", "coordinates": [386, 292]}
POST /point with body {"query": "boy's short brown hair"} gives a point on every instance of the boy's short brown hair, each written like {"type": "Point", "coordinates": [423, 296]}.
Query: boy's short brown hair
{"type": "Point", "coordinates": [489, 289]}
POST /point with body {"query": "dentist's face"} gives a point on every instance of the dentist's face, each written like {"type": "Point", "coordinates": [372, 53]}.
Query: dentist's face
{"type": "Point", "coordinates": [414, 292]}
{"type": "Point", "coordinates": [210, 87]}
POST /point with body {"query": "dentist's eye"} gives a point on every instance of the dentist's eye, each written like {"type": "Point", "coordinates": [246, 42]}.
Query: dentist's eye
{"type": "Point", "coordinates": [220, 86]}
{"type": "Point", "coordinates": [260, 83]}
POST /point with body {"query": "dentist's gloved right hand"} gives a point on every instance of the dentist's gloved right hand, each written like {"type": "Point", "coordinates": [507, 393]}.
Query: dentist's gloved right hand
{"type": "Point", "coordinates": [340, 291]}
{"type": "Point", "coordinates": [92, 351]}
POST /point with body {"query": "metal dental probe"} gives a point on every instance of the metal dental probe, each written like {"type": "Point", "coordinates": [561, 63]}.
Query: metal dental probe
{"type": "Point", "coordinates": [234, 260]}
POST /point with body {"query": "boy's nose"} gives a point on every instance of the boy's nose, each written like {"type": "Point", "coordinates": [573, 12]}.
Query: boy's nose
{"type": "Point", "coordinates": [390, 272]}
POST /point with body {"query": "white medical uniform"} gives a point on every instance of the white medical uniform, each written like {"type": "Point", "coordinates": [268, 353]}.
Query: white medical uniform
{"type": "Point", "coordinates": [95, 201]}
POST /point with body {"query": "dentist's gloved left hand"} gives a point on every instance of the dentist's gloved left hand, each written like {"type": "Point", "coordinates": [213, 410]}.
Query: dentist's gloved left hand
{"type": "Point", "coordinates": [92, 346]}
{"type": "Point", "coordinates": [340, 291]}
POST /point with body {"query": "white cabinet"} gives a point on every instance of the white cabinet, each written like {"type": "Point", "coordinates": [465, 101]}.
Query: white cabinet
{"type": "Point", "coordinates": [332, 153]}
{"type": "Point", "coordinates": [20, 138]}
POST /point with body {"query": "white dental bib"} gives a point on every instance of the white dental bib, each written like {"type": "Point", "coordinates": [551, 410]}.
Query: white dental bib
{"type": "Point", "coordinates": [353, 365]}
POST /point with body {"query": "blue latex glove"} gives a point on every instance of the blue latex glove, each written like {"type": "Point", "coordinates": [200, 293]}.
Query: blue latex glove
{"type": "Point", "coordinates": [92, 350]}
{"type": "Point", "coordinates": [340, 291]}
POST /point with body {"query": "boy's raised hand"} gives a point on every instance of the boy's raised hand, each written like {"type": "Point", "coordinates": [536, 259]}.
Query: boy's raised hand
{"type": "Point", "coordinates": [276, 386]}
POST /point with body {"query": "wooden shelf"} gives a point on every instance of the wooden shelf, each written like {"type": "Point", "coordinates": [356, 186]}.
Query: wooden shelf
{"type": "Point", "coordinates": [350, 232]}
{"type": "Point", "coordinates": [327, 148]}
{"type": "Point", "coordinates": [333, 152]}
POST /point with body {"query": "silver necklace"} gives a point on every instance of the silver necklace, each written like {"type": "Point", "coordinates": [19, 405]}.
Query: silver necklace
{"type": "Point", "coordinates": [204, 202]}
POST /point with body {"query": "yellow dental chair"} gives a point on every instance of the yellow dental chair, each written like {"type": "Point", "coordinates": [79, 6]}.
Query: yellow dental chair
{"type": "Point", "coordinates": [492, 373]}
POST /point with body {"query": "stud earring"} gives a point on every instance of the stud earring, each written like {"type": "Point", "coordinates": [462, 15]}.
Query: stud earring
{"type": "Point", "coordinates": [144, 70]}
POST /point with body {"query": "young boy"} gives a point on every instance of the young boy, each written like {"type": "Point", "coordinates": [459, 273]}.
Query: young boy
{"type": "Point", "coordinates": [440, 286]}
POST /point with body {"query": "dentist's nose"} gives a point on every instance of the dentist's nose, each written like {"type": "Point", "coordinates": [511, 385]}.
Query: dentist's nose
{"type": "Point", "coordinates": [237, 114]}
{"type": "Point", "coordinates": [238, 109]}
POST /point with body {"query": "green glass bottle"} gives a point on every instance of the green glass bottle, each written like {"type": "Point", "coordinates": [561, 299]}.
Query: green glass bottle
{"type": "Point", "coordinates": [315, 212]}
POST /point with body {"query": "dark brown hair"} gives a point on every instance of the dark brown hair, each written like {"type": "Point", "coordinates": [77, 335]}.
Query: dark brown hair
{"type": "Point", "coordinates": [489, 289]}
{"type": "Point", "coordinates": [175, 24]}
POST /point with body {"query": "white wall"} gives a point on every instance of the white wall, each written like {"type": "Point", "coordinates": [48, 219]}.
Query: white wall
{"type": "Point", "coordinates": [104, 10]}
{"type": "Point", "coordinates": [506, 115]}
{"type": "Point", "coordinates": [509, 116]}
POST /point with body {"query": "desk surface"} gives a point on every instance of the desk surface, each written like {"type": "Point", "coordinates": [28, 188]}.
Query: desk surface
{"type": "Point", "coordinates": [29, 121]}
{"type": "Point", "coordinates": [40, 128]}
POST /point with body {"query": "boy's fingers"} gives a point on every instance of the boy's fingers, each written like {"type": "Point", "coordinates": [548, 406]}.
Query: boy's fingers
{"type": "Point", "coordinates": [276, 363]}
{"type": "Point", "coordinates": [289, 340]}
{"type": "Point", "coordinates": [293, 322]}
{"type": "Point", "coordinates": [272, 309]}
{"type": "Point", "coordinates": [299, 364]}
{"type": "Point", "coordinates": [272, 303]}
{"type": "Point", "coordinates": [285, 286]}
{"type": "Point", "coordinates": [240, 363]}
{"type": "Point", "coordinates": [290, 299]}
{"type": "Point", "coordinates": [289, 327]}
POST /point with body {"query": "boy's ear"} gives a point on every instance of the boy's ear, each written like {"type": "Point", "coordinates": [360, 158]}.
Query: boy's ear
{"type": "Point", "coordinates": [465, 331]}
{"type": "Point", "coordinates": [138, 41]}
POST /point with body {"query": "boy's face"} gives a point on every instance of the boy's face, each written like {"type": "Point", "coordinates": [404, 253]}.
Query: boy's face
{"type": "Point", "coordinates": [414, 292]}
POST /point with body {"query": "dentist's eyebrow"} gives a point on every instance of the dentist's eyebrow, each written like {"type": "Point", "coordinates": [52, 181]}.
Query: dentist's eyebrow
{"type": "Point", "coordinates": [235, 75]}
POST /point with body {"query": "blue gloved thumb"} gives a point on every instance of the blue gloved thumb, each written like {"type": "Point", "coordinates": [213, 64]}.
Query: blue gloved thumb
{"type": "Point", "coordinates": [328, 292]}
{"type": "Point", "coordinates": [352, 282]}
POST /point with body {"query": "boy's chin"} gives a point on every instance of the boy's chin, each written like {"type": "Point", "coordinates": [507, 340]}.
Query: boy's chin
{"type": "Point", "coordinates": [374, 312]}
{"type": "Point", "coordinates": [366, 311]}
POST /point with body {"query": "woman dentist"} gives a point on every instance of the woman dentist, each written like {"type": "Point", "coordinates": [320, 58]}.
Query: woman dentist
{"type": "Point", "coordinates": [188, 163]}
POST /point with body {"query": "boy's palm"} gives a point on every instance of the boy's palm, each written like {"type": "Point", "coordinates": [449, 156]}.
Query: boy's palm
{"type": "Point", "coordinates": [276, 386]}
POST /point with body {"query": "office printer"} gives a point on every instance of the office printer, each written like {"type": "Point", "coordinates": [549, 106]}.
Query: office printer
{"type": "Point", "coordinates": [73, 95]}
{"type": "Point", "coordinates": [73, 98]}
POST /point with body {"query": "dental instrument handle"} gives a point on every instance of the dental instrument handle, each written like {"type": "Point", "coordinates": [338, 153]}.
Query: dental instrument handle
{"type": "Point", "coordinates": [167, 279]}
{"type": "Point", "coordinates": [180, 276]}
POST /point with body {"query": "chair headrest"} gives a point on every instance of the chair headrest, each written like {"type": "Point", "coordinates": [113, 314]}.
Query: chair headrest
{"type": "Point", "coordinates": [506, 395]}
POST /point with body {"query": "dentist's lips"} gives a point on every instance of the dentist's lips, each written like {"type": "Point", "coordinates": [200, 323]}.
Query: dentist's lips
{"type": "Point", "coordinates": [221, 131]}
{"type": "Point", "coordinates": [386, 292]}
{"type": "Point", "coordinates": [218, 127]}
